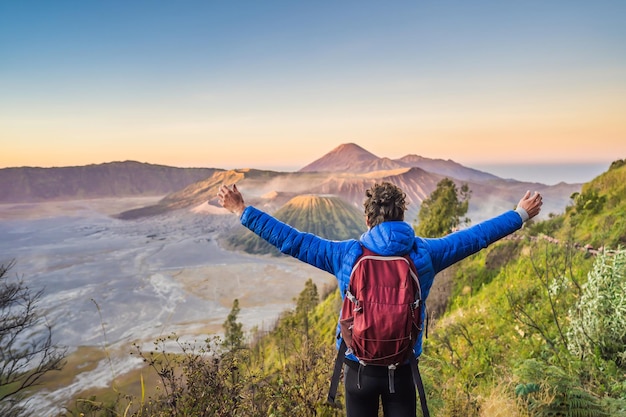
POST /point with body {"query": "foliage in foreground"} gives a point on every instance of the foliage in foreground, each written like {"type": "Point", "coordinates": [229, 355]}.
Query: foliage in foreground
{"type": "Point", "coordinates": [519, 334]}
{"type": "Point", "coordinates": [507, 349]}
{"type": "Point", "coordinates": [27, 351]}
{"type": "Point", "coordinates": [282, 373]}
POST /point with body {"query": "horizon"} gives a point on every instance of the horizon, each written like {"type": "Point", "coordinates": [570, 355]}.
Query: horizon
{"type": "Point", "coordinates": [277, 85]}
{"type": "Point", "coordinates": [548, 174]}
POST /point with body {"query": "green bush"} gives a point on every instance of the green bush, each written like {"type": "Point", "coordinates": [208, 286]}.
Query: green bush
{"type": "Point", "coordinates": [548, 390]}
{"type": "Point", "coordinates": [598, 319]}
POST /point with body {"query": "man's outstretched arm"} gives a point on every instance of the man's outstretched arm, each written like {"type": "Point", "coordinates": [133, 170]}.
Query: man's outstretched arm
{"type": "Point", "coordinates": [530, 204]}
{"type": "Point", "coordinates": [307, 247]}
{"type": "Point", "coordinates": [231, 199]}
{"type": "Point", "coordinates": [450, 249]}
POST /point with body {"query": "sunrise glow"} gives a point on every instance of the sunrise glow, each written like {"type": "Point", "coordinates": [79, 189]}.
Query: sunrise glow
{"type": "Point", "coordinates": [276, 85]}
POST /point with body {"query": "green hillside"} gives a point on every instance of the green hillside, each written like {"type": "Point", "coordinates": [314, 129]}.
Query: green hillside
{"type": "Point", "coordinates": [598, 215]}
{"type": "Point", "coordinates": [537, 323]}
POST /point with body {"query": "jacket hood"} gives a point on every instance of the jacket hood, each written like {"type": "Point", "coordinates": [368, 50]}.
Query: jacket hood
{"type": "Point", "coordinates": [389, 238]}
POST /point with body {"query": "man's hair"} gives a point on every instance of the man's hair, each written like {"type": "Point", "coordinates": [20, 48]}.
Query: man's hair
{"type": "Point", "coordinates": [384, 202]}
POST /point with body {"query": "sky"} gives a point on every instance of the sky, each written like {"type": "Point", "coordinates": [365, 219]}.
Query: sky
{"type": "Point", "coordinates": [506, 85]}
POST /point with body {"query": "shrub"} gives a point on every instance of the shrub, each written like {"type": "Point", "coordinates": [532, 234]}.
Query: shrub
{"type": "Point", "coordinates": [598, 319]}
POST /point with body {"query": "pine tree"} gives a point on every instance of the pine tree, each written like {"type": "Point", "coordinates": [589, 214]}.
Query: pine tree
{"type": "Point", "coordinates": [441, 212]}
{"type": "Point", "coordinates": [233, 333]}
{"type": "Point", "coordinates": [306, 302]}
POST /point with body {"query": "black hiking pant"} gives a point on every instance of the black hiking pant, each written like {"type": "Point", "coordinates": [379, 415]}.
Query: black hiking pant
{"type": "Point", "coordinates": [367, 386]}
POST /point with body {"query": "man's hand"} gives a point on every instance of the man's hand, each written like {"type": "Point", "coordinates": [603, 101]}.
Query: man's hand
{"type": "Point", "coordinates": [531, 203]}
{"type": "Point", "coordinates": [231, 199]}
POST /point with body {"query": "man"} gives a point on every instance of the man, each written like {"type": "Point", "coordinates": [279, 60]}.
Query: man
{"type": "Point", "coordinates": [388, 235]}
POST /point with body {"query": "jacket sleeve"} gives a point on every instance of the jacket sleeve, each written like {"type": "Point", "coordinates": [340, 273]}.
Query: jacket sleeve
{"type": "Point", "coordinates": [456, 246]}
{"type": "Point", "coordinates": [322, 253]}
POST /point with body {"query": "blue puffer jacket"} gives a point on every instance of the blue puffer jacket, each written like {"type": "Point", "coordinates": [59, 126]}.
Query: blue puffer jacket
{"type": "Point", "coordinates": [389, 238]}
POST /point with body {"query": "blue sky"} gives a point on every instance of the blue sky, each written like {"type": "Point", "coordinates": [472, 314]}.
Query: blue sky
{"type": "Point", "coordinates": [276, 84]}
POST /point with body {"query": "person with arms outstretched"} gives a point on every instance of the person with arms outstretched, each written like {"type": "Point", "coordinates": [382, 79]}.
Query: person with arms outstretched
{"type": "Point", "coordinates": [387, 235]}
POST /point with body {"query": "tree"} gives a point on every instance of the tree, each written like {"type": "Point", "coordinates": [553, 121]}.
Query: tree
{"type": "Point", "coordinates": [441, 212]}
{"type": "Point", "coordinates": [306, 302]}
{"type": "Point", "coordinates": [233, 333]}
{"type": "Point", "coordinates": [589, 201]}
{"type": "Point", "coordinates": [307, 299]}
{"type": "Point", "coordinates": [26, 349]}
{"type": "Point", "coordinates": [617, 164]}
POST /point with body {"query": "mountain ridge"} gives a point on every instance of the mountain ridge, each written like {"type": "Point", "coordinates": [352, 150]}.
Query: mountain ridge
{"type": "Point", "coordinates": [352, 157]}
{"type": "Point", "coordinates": [189, 188]}
{"type": "Point", "coordinates": [110, 179]}
{"type": "Point", "coordinates": [269, 191]}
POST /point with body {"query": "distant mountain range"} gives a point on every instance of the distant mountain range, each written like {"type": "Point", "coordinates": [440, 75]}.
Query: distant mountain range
{"type": "Point", "coordinates": [345, 172]}
{"type": "Point", "coordinates": [348, 170]}
{"type": "Point", "coordinates": [114, 179]}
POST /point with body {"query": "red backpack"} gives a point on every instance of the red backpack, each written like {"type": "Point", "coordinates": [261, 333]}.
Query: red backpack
{"type": "Point", "coordinates": [381, 316]}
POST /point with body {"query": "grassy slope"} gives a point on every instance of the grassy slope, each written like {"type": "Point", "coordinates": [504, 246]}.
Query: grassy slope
{"type": "Point", "coordinates": [511, 305]}
{"type": "Point", "coordinates": [602, 224]}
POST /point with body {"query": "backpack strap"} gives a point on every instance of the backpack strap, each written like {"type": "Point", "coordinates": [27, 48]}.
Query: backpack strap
{"type": "Point", "coordinates": [391, 371]}
{"type": "Point", "coordinates": [417, 379]}
{"type": "Point", "coordinates": [334, 381]}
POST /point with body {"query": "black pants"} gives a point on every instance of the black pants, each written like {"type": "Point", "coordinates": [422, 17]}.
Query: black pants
{"type": "Point", "coordinates": [374, 382]}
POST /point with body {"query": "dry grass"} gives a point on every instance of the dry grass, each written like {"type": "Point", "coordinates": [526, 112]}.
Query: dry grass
{"type": "Point", "coordinates": [500, 403]}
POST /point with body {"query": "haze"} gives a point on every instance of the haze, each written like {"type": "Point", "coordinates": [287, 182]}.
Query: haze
{"type": "Point", "coordinates": [277, 84]}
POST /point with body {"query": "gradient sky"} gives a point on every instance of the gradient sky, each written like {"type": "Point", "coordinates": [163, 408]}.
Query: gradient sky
{"type": "Point", "coordinates": [277, 84]}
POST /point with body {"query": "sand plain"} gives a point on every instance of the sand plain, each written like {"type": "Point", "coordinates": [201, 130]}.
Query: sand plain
{"type": "Point", "coordinates": [109, 283]}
